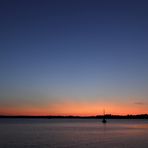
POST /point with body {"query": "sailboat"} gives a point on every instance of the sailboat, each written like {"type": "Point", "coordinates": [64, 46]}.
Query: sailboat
{"type": "Point", "coordinates": [104, 119]}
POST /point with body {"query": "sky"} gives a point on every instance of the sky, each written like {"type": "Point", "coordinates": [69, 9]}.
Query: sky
{"type": "Point", "coordinates": [73, 57]}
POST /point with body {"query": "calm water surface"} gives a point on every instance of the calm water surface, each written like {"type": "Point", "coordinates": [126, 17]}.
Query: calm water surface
{"type": "Point", "coordinates": [73, 133]}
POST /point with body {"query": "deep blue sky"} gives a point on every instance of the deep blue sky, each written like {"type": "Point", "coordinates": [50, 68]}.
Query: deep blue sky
{"type": "Point", "coordinates": [83, 50]}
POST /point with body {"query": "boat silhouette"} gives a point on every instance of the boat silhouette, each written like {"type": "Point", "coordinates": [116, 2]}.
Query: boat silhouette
{"type": "Point", "coordinates": [104, 119]}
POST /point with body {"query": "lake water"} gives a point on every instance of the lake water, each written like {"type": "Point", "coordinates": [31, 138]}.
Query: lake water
{"type": "Point", "coordinates": [73, 133]}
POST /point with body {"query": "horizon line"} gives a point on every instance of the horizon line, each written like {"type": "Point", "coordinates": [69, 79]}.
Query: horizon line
{"type": "Point", "coordinates": [74, 115]}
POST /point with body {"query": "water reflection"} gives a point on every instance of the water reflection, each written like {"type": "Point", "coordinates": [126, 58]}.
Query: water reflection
{"type": "Point", "coordinates": [72, 133]}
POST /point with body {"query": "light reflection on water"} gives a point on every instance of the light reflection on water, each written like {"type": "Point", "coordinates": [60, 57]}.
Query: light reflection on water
{"type": "Point", "coordinates": [80, 133]}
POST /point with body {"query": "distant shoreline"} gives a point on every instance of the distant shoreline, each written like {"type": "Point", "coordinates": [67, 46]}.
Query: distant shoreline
{"type": "Point", "coordinates": [108, 116]}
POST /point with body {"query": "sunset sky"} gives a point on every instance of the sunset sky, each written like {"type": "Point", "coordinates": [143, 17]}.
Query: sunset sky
{"type": "Point", "coordinates": [73, 57]}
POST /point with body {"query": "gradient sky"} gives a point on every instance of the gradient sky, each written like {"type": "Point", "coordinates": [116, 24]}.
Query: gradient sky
{"type": "Point", "coordinates": [73, 57]}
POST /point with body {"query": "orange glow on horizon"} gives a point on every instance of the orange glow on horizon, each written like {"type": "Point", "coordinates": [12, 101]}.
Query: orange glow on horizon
{"type": "Point", "coordinates": [73, 108]}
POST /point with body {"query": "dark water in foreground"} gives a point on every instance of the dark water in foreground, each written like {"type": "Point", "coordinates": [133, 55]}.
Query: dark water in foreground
{"type": "Point", "coordinates": [73, 133]}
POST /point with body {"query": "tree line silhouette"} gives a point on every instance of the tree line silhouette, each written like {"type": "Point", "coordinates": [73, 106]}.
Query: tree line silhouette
{"type": "Point", "coordinates": [107, 116]}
